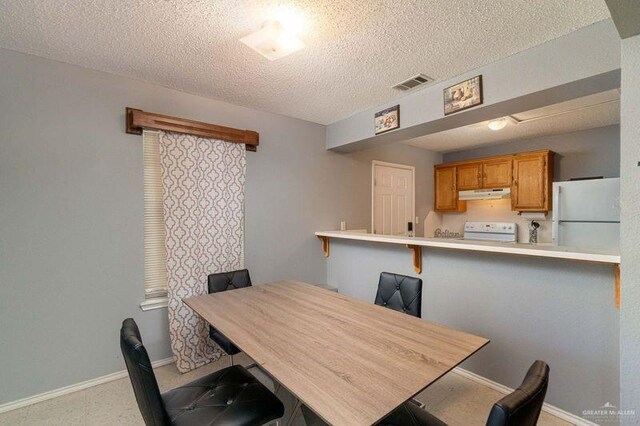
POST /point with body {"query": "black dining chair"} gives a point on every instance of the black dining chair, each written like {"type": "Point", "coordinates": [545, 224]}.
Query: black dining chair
{"type": "Point", "coordinates": [523, 406]}
{"type": "Point", "coordinates": [400, 293]}
{"type": "Point", "coordinates": [225, 281]}
{"type": "Point", "coordinates": [231, 396]}
{"type": "Point", "coordinates": [520, 408]}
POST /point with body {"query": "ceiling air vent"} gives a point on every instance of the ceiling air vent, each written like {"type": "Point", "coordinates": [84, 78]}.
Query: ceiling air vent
{"type": "Point", "coordinates": [418, 80]}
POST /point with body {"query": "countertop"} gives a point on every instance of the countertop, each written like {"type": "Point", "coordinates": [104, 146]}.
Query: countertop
{"type": "Point", "coordinates": [536, 250]}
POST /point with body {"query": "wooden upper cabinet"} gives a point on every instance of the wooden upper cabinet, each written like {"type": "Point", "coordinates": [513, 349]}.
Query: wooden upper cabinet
{"type": "Point", "coordinates": [469, 176]}
{"type": "Point", "coordinates": [496, 173]}
{"type": "Point", "coordinates": [532, 179]}
{"type": "Point", "coordinates": [446, 194]}
{"type": "Point", "coordinates": [529, 174]}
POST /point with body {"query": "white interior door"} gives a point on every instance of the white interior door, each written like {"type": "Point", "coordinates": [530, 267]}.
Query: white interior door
{"type": "Point", "coordinates": [393, 198]}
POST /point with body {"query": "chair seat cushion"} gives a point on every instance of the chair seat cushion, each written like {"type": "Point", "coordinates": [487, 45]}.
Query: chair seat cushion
{"type": "Point", "coordinates": [409, 414]}
{"type": "Point", "coordinates": [223, 342]}
{"type": "Point", "coordinates": [231, 396]}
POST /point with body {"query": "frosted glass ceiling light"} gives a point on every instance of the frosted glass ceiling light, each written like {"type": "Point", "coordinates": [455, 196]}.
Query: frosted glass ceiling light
{"type": "Point", "coordinates": [273, 41]}
{"type": "Point", "coordinates": [498, 124]}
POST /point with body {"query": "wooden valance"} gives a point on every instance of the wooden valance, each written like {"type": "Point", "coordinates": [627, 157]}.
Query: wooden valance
{"type": "Point", "coordinates": [137, 120]}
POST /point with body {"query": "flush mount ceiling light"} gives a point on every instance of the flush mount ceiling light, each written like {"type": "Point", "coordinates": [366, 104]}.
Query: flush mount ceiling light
{"type": "Point", "coordinates": [498, 124]}
{"type": "Point", "coordinates": [274, 40]}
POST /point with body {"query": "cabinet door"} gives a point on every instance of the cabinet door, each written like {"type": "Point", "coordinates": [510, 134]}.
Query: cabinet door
{"type": "Point", "coordinates": [469, 176]}
{"type": "Point", "coordinates": [496, 173]}
{"type": "Point", "coordinates": [445, 191]}
{"type": "Point", "coordinates": [530, 182]}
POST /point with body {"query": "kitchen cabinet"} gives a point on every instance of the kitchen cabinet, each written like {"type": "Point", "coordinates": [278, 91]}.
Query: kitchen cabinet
{"type": "Point", "coordinates": [528, 174]}
{"type": "Point", "coordinates": [469, 176]}
{"type": "Point", "coordinates": [446, 193]}
{"type": "Point", "coordinates": [496, 173]}
{"type": "Point", "coordinates": [532, 179]}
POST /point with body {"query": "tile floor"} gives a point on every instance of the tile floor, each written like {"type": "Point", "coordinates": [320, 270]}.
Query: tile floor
{"type": "Point", "coordinates": [454, 399]}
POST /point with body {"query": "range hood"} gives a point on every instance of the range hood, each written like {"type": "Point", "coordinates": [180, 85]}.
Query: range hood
{"type": "Point", "coordinates": [485, 194]}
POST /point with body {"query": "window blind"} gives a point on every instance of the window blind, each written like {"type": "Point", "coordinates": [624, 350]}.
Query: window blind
{"type": "Point", "coordinates": [155, 256]}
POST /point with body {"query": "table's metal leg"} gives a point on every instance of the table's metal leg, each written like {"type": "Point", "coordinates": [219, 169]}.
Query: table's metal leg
{"type": "Point", "coordinates": [278, 389]}
{"type": "Point", "coordinates": [296, 408]}
{"type": "Point", "coordinates": [420, 404]}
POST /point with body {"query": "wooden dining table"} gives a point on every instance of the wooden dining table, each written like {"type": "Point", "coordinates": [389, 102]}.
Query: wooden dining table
{"type": "Point", "coordinates": [350, 361]}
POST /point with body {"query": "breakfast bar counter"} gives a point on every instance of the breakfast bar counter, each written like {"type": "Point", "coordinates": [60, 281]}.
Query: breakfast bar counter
{"type": "Point", "coordinates": [537, 250]}
{"type": "Point", "coordinates": [530, 250]}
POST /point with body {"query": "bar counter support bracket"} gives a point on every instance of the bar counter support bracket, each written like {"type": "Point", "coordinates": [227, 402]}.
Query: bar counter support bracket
{"type": "Point", "coordinates": [325, 245]}
{"type": "Point", "coordinates": [417, 257]}
{"type": "Point", "coordinates": [616, 276]}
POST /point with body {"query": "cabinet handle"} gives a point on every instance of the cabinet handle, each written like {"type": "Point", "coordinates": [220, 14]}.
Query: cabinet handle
{"type": "Point", "coordinates": [515, 182]}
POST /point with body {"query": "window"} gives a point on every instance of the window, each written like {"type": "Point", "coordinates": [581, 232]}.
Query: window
{"type": "Point", "coordinates": [155, 257]}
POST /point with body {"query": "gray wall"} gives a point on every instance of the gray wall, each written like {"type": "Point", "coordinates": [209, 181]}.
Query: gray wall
{"type": "Point", "coordinates": [630, 238]}
{"type": "Point", "coordinates": [71, 208]}
{"type": "Point", "coordinates": [558, 311]}
{"type": "Point", "coordinates": [422, 159]}
{"type": "Point", "coordinates": [71, 235]}
{"type": "Point", "coordinates": [590, 63]}
{"type": "Point", "coordinates": [593, 152]}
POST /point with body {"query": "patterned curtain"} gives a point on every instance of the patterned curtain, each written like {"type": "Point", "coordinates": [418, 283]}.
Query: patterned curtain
{"type": "Point", "coordinates": [203, 194]}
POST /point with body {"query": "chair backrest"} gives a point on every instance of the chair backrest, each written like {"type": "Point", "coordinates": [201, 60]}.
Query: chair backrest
{"type": "Point", "coordinates": [141, 374]}
{"type": "Point", "coordinates": [401, 293]}
{"type": "Point", "coordinates": [229, 280]}
{"type": "Point", "coordinates": [522, 406]}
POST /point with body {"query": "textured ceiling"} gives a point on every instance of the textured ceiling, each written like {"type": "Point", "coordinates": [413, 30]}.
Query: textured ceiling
{"type": "Point", "coordinates": [356, 50]}
{"type": "Point", "coordinates": [589, 112]}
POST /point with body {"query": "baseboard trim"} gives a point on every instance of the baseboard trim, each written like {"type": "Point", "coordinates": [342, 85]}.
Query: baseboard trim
{"type": "Point", "coordinates": [34, 399]}
{"type": "Point", "coordinates": [548, 408]}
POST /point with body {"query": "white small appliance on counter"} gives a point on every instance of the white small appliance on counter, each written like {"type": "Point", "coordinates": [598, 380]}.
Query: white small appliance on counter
{"type": "Point", "coordinates": [586, 214]}
{"type": "Point", "coordinates": [506, 232]}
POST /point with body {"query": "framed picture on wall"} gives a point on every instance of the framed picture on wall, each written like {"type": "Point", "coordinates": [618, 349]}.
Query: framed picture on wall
{"type": "Point", "coordinates": [461, 96]}
{"type": "Point", "coordinates": [386, 120]}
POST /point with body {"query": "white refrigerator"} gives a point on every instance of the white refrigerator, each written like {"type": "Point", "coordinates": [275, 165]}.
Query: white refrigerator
{"type": "Point", "coordinates": [586, 214]}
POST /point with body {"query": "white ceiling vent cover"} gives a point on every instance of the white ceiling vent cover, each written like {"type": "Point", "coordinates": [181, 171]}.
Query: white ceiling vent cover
{"type": "Point", "coordinates": [418, 80]}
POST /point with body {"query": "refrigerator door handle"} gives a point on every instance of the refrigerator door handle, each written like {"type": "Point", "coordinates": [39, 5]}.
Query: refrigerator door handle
{"type": "Point", "coordinates": [556, 214]}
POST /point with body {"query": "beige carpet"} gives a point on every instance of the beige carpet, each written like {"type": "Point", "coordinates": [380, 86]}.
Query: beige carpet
{"type": "Point", "coordinates": [454, 399]}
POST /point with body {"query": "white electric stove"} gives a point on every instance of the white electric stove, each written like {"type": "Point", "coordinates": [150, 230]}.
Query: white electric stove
{"type": "Point", "coordinates": [506, 232]}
